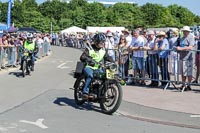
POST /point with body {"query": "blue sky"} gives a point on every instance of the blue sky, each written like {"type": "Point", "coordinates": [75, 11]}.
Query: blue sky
{"type": "Point", "coordinates": [192, 5]}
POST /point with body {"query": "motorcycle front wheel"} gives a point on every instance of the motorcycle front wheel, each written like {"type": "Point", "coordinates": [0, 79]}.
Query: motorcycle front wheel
{"type": "Point", "coordinates": [112, 98]}
{"type": "Point", "coordinates": [78, 91]}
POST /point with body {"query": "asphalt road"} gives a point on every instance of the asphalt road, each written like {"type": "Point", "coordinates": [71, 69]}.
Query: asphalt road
{"type": "Point", "coordinates": [43, 103]}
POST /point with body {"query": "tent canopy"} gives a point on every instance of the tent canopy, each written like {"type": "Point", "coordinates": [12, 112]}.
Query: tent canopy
{"type": "Point", "coordinates": [73, 29]}
{"type": "Point", "coordinates": [104, 29]}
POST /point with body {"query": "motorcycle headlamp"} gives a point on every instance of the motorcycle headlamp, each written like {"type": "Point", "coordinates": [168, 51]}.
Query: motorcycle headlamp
{"type": "Point", "coordinates": [113, 67]}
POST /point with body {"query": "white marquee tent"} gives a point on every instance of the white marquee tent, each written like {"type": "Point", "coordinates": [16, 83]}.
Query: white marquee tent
{"type": "Point", "coordinates": [73, 29]}
{"type": "Point", "coordinates": [104, 29]}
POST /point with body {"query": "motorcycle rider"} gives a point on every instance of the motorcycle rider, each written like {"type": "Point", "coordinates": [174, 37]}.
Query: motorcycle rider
{"type": "Point", "coordinates": [91, 57]}
{"type": "Point", "coordinates": [30, 45]}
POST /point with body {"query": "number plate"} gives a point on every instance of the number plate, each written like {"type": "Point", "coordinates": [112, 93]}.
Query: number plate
{"type": "Point", "coordinates": [110, 74]}
{"type": "Point", "coordinates": [25, 54]}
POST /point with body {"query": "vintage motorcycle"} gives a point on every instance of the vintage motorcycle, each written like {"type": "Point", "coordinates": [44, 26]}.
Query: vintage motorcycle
{"type": "Point", "coordinates": [27, 63]}
{"type": "Point", "coordinates": [104, 88]}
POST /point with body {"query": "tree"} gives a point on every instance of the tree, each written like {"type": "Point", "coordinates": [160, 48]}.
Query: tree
{"type": "Point", "coordinates": [53, 9]}
{"type": "Point", "coordinates": [183, 15]}
{"type": "Point", "coordinates": [128, 15]}
{"type": "Point", "coordinates": [95, 15]}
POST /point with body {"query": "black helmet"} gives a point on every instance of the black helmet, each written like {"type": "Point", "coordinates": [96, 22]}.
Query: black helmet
{"type": "Point", "coordinates": [100, 37]}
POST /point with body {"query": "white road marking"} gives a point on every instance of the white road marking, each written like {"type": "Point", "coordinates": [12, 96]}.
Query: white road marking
{"type": "Point", "coordinates": [62, 66]}
{"type": "Point", "coordinates": [3, 130]}
{"type": "Point", "coordinates": [195, 116]}
{"type": "Point", "coordinates": [37, 123]}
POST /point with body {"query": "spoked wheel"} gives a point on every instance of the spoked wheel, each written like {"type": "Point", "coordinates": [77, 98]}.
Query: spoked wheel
{"type": "Point", "coordinates": [24, 69]}
{"type": "Point", "coordinates": [112, 98]}
{"type": "Point", "coordinates": [78, 91]}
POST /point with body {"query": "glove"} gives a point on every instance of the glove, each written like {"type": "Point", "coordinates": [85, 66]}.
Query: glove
{"type": "Point", "coordinates": [89, 59]}
{"type": "Point", "coordinates": [91, 63]}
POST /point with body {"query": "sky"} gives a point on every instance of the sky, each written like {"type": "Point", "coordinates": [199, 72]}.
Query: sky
{"type": "Point", "coordinates": [192, 5]}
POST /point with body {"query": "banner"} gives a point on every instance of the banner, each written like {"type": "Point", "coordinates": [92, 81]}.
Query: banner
{"type": "Point", "coordinates": [10, 3]}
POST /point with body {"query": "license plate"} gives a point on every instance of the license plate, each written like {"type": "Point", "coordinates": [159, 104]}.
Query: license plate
{"type": "Point", "coordinates": [109, 74]}
{"type": "Point", "coordinates": [25, 54]}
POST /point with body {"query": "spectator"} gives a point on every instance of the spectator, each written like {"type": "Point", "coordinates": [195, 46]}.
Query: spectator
{"type": "Point", "coordinates": [197, 60]}
{"type": "Point", "coordinates": [3, 46]}
{"type": "Point", "coordinates": [122, 57]}
{"type": "Point", "coordinates": [186, 44]}
{"type": "Point", "coordinates": [39, 42]}
{"type": "Point", "coordinates": [162, 45]}
{"type": "Point", "coordinates": [128, 36]}
{"type": "Point", "coordinates": [110, 45]}
{"type": "Point", "coordinates": [152, 58]}
{"type": "Point", "coordinates": [138, 55]}
{"type": "Point", "coordinates": [173, 62]}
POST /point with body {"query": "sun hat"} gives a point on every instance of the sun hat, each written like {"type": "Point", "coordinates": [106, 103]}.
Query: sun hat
{"type": "Point", "coordinates": [186, 28]}
{"type": "Point", "coordinates": [126, 30]}
{"type": "Point", "coordinates": [161, 33]}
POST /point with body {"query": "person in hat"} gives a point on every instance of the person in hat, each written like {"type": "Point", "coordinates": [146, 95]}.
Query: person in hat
{"type": "Point", "coordinates": [152, 58]}
{"type": "Point", "coordinates": [162, 45]}
{"type": "Point", "coordinates": [110, 45]}
{"type": "Point", "coordinates": [128, 36]}
{"type": "Point", "coordinates": [186, 56]}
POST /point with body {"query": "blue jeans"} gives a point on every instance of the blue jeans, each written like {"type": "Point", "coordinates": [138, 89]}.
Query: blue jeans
{"type": "Point", "coordinates": [88, 72]}
{"type": "Point", "coordinates": [138, 63]}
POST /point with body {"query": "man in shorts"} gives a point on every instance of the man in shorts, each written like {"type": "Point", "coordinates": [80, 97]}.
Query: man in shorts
{"type": "Point", "coordinates": [186, 56]}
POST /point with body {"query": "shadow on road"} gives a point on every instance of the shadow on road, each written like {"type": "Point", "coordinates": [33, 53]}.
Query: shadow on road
{"type": "Point", "coordinates": [63, 101]}
{"type": "Point", "coordinates": [17, 74]}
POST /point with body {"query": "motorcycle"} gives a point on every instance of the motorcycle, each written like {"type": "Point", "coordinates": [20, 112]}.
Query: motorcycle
{"type": "Point", "coordinates": [104, 88]}
{"type": "Point", "coordinates": [27, 62]}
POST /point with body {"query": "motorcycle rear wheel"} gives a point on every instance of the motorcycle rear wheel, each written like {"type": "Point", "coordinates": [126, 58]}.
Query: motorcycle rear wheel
{"type": "Point", "coordinates": [113, 98]}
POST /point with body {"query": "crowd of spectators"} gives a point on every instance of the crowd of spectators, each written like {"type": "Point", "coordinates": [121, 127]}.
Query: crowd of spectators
{"type": "Point", "coordinates": [153, 55]}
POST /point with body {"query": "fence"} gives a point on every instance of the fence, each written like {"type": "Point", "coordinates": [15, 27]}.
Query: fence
{"type": "Point", "coordinates": [167, 66]}
{"type": "Point", "coordinates": [11, 56]}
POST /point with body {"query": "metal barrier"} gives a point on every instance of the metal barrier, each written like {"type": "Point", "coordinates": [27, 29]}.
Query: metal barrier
{"type": "Point", "coordinates": [11, 56]}
{"type": "Point", "coordinates": [167, 70]}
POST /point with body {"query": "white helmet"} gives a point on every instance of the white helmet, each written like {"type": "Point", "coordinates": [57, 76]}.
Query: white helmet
{"type": "Point", "coordinates": [29, 38]}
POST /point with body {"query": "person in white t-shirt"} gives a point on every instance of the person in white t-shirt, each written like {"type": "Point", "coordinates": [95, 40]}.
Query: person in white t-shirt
{"type": "Point", "coordinates": [136, 46]}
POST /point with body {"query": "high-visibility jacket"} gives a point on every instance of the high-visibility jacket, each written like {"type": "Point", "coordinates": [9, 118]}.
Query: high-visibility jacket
{"type": "Point", "coordinates": [29, 46]}
{"type": "Point", "coordinates": [96, 56]}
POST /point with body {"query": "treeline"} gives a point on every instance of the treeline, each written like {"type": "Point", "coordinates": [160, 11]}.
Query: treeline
{"type": "Point", "coordinates": [83, 14]}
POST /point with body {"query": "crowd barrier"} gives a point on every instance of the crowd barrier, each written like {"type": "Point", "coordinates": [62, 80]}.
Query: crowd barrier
{"type": "Point", "coordinates": [11, 56]}
{"type": "Point", "coordinates": [168, 70]}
